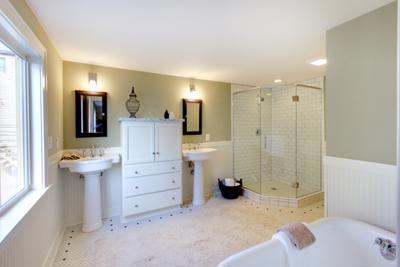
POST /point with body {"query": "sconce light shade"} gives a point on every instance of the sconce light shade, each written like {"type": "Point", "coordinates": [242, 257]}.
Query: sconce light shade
{"type": "Point", "coordinates": [92, 84]}
{"type": "Point", "coordinates": [193, 93]}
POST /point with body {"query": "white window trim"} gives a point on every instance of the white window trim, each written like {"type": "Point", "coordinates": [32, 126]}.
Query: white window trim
{"type": "Point", "coordinates": [15, 32]}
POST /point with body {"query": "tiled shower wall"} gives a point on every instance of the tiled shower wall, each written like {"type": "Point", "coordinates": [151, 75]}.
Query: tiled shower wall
{"type": "Point", "coordinates": [283, 152]}
{"type": "Point", "coordinates": [290, 140]}
{"type": "Point", "coordinates": [296, 136]}
{"type": "Point", "coordinates": [247, 143]}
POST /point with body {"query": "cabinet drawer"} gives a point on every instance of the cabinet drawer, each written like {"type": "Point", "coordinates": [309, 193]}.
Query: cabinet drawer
{"type": "Point", "coordinates": [136, 170]}
{"type": "Point", "coordinates": [150, 202]}
{"type": "Point", "coordinates": [150, 184]}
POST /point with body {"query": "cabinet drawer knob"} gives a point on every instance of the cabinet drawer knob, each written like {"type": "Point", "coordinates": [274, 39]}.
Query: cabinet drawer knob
{"type": "Point", "coordinates": [173, 168]}
{"type": "Point", "coordinates": [136, 172]}
{"type": "Point", "coordinates": [136, 206]}
{"type": "Point", "coordinates": [154, 153]}
{"type": "Point", "coordinates": [136, 187]}
{"type": "Point", "coordinates": [158, 153]}
{"type": "Point", "coordinates": [173, 181]}
{"type": "Point", "coordinates": [173, 198]}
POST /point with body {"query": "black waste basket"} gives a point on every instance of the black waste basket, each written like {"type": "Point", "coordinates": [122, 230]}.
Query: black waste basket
{"type": "Point", "coordinates": [230, 192]}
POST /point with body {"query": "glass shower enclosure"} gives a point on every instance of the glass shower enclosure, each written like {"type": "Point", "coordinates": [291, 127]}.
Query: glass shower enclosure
{"type": "Point", "coordinates": [277, 135]}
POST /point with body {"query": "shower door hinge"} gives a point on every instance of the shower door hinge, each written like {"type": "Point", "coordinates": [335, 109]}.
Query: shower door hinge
{"type": "Point", "coordinates": [295, 98]}
{"type": "Point", "coordinates": [296, 185]}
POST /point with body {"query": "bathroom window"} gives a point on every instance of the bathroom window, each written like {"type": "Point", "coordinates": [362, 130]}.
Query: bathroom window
{"type": "Point", "coordinates": [22, 120]}
{"type": "Point", "coordinates": [3, 63]}
{"type": "Point", "coordinates": [14, 172]}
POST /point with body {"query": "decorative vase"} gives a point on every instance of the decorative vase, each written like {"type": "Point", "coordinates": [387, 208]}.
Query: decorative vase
{"type": "Point", "coordinates": [132, 104]}
{"type": "Point", "coordinates": [166, 114]}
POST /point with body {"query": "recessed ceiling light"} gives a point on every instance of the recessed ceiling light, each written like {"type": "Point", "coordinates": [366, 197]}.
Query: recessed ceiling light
{"type": "Point", "coordinates": [277, 81]}
{"type": "Point", "coordinates": [319, 62]}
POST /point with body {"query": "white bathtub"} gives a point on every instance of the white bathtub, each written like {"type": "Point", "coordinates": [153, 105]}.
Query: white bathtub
{"type": "Point", "coordinates": [339, 243]}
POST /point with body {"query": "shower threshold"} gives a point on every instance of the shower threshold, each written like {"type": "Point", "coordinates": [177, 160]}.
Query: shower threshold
{"type": "Point", "coordinates": [281, 201]}
{"type": "Point", "coordinates": [275, 188]}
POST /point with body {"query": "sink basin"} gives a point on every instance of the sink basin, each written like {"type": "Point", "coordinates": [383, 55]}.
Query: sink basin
{"type": "Point", "coordinates": [198, 154]}
{"type": "Point", "coordinates": [90, 170]}
{"type": "Point", "coordinates": [87, 165]}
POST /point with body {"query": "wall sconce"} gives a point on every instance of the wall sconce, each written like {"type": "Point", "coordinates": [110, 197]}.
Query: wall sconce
{"type": "Point", "coordinates": [193, 93]}
{"type": "Point", "coordinates": [92, 84]}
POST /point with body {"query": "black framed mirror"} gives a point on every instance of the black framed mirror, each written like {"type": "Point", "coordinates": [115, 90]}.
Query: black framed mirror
{"type": "Point", "coordinates": [90, 114]}
{"type": "Point", "coordinates": [192, 117]}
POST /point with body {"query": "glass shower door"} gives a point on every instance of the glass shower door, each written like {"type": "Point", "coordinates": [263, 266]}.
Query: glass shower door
{"type": "Point", "coordinates": [278, 117]}
{"type": "Point", "coordinates": [247, 138]}
{"type": "Point", "coordinates": [309, 140]}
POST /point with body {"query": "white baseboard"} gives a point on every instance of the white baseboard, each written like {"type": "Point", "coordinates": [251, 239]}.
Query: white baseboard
{"type": "Point", "coordinates": [52, 253]}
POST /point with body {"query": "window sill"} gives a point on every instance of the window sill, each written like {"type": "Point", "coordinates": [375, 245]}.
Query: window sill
{"type": "Point", "coordinates": [12, 217]}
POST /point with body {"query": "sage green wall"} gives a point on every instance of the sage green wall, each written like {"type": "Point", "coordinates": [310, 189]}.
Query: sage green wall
{"type": "Point", "coordinates": [54, 76]}
{"type": "Point", "coordinates": [361, 87]}
{"type": "Point", "coordinates": [155, 92]}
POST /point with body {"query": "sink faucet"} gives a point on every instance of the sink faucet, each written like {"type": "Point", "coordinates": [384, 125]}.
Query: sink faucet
{"type": "Point", "coordinates": [386, 247]}
{"type": "Point", "coordinates": [92, 151]}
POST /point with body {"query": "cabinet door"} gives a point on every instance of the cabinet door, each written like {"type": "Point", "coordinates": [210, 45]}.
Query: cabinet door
{"type": "Point", "coordinates": [138, 142]}
{"type": "Point", "coordinates": [168, 141]}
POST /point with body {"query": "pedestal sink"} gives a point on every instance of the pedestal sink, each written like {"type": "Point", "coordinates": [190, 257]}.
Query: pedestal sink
{"type": "Point", "coordinates": [91, 170]}
{"type": "Point", "coordinates": [197, 156]}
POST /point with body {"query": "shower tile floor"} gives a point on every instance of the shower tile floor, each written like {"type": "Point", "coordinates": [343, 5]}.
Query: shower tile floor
{"type": "Point", "coordinates": [192, 236]}
{"type": "Point", "coordinates": [276, 189]}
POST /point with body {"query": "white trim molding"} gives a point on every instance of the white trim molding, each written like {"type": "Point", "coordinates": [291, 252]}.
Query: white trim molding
{"type": "Point", "coordinates": [23, 37]}
{"type": "Point", "coordinates": [52, 252]}
{"type": "Point", "coordinates": [361, 190]}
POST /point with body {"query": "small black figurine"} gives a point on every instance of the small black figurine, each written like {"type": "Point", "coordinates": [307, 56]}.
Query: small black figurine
{"type": "Point", "coordinates": [166, 114]}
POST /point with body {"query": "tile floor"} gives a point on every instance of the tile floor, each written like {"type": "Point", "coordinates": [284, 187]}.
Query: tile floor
{"type": "Point", "coordinates": [192, 236]}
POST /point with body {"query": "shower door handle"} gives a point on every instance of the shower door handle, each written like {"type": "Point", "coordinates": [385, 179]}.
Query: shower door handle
{"type": "Point", "coordinates": [265, 142]}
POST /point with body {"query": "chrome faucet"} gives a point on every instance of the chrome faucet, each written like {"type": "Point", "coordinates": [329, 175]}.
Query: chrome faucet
{"type": "Point", "coordinates": [386, 247]}
{"type": "Point", "coordinates": [194, 146]}
{"type": "Point", "coordinates": [197, 145]}
{"type": "Point", "coordinates": [92, 151]}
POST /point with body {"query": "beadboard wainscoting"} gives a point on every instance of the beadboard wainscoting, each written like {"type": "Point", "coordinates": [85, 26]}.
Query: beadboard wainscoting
{"type": "Point", "coordinates": [35, 239]}
{"type": "Point", "coordinates": [361, 190]}
{"type": "Point", "coordinates": [220, 165]}
{"type": "Point", "coordinates": [111, 191]}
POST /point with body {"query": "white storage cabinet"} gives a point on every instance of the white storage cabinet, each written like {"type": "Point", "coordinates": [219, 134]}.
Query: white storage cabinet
{"type": "Point", "coordinates": [151, 166]}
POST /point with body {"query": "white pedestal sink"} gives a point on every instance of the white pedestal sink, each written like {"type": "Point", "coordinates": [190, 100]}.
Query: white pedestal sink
{"type": "Point", "coordinates": [91, 169]}
{"type": "Point", "coordinates": [197, 156]}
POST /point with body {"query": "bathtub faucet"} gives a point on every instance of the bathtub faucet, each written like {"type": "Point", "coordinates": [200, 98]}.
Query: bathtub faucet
{"type": "Point", "coordinates": [387, 248]}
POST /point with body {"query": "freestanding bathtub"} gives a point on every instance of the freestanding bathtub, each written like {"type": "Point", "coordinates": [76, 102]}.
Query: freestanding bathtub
{"type": "Point", "coordinates": [339, 243]}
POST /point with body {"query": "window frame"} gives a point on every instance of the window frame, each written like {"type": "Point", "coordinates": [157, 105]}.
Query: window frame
{"type": "Point", "coordinates": [17, 35]}
{"type": "Point", "coordinates": [23, 123]}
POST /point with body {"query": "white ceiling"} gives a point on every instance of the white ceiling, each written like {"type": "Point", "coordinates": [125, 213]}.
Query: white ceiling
{"type": "Point", "coordinates": [241, 41]}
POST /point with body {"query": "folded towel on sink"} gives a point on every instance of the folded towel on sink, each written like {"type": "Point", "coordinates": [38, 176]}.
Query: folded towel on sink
{"type": "Point", "coordinates": [299, 234]}
{"type": "Point", "coordinates": [71, 156]}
